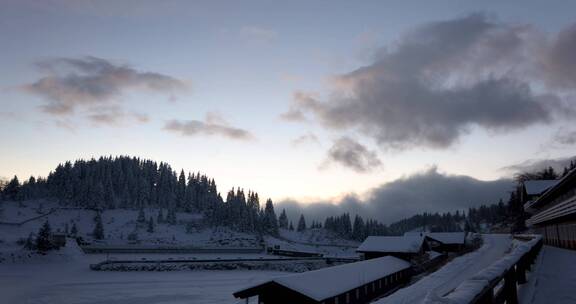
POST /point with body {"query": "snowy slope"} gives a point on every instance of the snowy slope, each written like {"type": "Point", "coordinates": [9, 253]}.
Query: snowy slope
{"type": "Point", "coordinates": [20, 219]}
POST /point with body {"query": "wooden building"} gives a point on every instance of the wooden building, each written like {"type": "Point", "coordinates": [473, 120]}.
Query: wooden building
{"type": "Point", "coordinates": [553, 214]}
{"type": "Point", "coordinates": [443, 241]}
{"type": "Point", "coordinates": [352, 283]}
{"type": "Point", "coordinates": [407, 248]}
{"type": "Point", "coordinates": [276, 250]}
{"type": "Point", "coordinates": [532, 189]}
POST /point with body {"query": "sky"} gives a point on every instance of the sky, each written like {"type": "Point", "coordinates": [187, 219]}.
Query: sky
{"type": "Point", "coordinates": [307, 101]}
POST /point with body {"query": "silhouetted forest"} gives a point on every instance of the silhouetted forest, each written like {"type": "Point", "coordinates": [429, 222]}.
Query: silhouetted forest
{"type": "Point", "coordinates": [132, 183]}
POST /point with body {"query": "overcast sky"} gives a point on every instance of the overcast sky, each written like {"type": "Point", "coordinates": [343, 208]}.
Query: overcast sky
{"type": "Point", "coordinates": [303, 100]}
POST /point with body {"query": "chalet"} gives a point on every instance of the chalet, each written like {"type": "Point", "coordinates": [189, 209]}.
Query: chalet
{"type": "Point", "coordinates": [403, 247]}
{"type": "Point", "coordinates": [553, 214]}
{"type": "Point", "coordinates": [443, 241]}
{"type": "Point", "coordinates": [353, 283]}
{"type": "Point", "coordinates": [532, 189]}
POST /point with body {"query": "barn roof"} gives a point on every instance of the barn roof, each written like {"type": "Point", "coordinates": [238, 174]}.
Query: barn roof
{"type": "Point", "coordinates": [407, 244]}
{"type": "Point", "coordinates": [328, 282]}
{"type": "Point", "coordinates": [536, 187]}
{"type": "Point", "coordinates": [448, 237]}
{"type": "Point", "coordinates": [443, 237]}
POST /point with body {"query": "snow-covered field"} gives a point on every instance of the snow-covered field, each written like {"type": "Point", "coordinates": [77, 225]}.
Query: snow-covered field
{"type": "Point", "coordinates": [73, 282]}
{"type": "Point", "coordinates": [455, 272]}
{"type": "Point", "coordinates": [65, 277]}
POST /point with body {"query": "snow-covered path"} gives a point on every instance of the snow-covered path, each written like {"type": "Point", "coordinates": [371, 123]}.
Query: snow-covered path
{"type": "Point", "coordinates": [553, 279]}
{"type": "Point", "coordinates": [452, 274]}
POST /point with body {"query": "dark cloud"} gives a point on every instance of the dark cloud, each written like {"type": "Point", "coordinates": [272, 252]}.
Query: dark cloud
{"type": "Point", "coordinates": [428, 191]}
{"type": "Point", "coordinates": [533, 165]}
{"type": "Point", "coordinates": [70, 83]}
{"type": "Point", "coordinates": [353, 155]}
{"type": "Point", "coordinates": [565, 137]}
{"type": "Point", "coordinates": [559, 62]}
{"type": "Point", "coordinates": [444, 78]}
{"type": "Point", "coordinates": [213, 125]}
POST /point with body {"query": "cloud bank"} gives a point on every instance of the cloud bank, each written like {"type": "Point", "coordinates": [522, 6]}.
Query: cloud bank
{"type": "Point", "coordinates": [427, 191]}
{"type": "Point", "coordinates": [443, 78]}
{"type": "Point", "coordinates": [533, 165]}
{"type": "Point", "coordinates": [213, 125]}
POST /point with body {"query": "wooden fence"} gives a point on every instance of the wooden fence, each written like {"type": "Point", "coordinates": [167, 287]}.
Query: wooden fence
{"type": "Point", "coordinates": [497, 283]}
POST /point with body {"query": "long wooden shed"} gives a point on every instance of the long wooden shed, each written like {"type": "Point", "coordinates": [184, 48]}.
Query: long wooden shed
{"type": "Point", "coordinates": [352, 283]}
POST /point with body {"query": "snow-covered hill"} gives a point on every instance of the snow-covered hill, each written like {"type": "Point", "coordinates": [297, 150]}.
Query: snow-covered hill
{"type": "Point", "coordinates": [121, 227]}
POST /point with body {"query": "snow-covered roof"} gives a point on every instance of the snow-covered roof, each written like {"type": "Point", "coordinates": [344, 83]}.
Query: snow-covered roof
{"type": "Point", "coordinates": [411, 243]}
{"type": "Point", "coordinates": [415, 233]}
{"type": "Point", "coordinates": [448, 237]}
{"type": "Point", "coordinates": [328, 282]}
{"type": "Point", "coordinates": [433, 255]}
{"type": "Point", "coordinates": [443, 237]}
{"type": "Point", "coordinates": [535, 187]}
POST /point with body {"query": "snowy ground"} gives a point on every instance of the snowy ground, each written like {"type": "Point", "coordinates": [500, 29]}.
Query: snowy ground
{"type": "Point", "coordinates": [553, 279]}
{"type": "Point", "coordinates": [455, 272]}
{"type": "Point", "coordinates": [64, 277]}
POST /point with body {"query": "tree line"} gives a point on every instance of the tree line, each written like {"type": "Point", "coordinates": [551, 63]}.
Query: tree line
{"type": "Point", "coordinates": [133, 183]}
{"type": "Point", "coordinates": [125, 182]}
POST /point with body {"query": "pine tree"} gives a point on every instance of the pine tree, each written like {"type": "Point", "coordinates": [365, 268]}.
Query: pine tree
{"type": "Point", "coordinates": [271, 222]}
{"type": "Point", "coordinates": [74, 230]}
{"type": "Point", "coordinates": [301, 223]}
{"type": "Point", "coordinates": [283, 220]}
{"type": "Point", "coordinates": [98, 232]}
{"type": "Point", "coordinates": [141, 216]}
{"type": "Point", "coordinates": [29, 245]}
{"type": "Point", "coordinates": [171, 217]}
{"type": "Point", "coordinates": [358, 230]}
{"type": "Point", "coordinates": [150, 228]}
{"type": "Point", "coordinates": [44, 239]}
{"type": "Point", "coordinates": [291, 226]}
{"type": "Point", "coordinates": [12, 190]}
{"type": "Point", "coordinates": [181, 191]}
{"type": "Point", "coordinates": [160, 218]}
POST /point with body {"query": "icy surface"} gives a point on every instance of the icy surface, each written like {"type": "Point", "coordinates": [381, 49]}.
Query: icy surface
{"type": "Point", "coordinates": [327, 282]}
{"type": "Point", "coordinates": [392, 244]}
{"type": "Point", "coordinates": [553, 279]}
{"type": "Point", "coordinates": [454, 273]}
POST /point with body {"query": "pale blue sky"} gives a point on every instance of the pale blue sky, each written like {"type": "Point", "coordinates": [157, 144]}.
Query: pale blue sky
{"type": "Point", "coordinates": [243, 60]}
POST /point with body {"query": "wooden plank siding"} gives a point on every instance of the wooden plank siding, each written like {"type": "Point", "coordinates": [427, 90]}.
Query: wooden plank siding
{"type": "Point", "coordinates": [559, 235]}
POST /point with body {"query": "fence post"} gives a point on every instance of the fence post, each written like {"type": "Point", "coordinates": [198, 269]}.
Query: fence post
{"type": "Point", "coordinates": [510, 293]}
{"type": "Point", "coordinates": [486, 298]}
{"type": "Point", "coordinates": [521, 270]}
